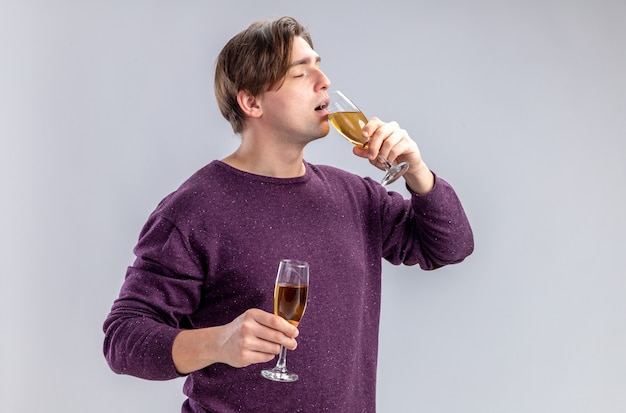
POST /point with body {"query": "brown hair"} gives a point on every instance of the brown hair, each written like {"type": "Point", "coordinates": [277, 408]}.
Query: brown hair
{"type": "Point", "coordinates": [255, 60]}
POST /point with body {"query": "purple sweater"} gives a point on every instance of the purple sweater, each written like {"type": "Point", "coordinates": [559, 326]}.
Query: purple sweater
{"type": "Point", "coordinates": [211, 249]}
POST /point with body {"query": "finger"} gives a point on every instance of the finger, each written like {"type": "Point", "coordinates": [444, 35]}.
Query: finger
{"type": "Point", "coordinates": [360, 151]}
{"type": "Point", "coordinates": [244, 347]}
{"type": "Point", "coordinates": [383, 136]}
{"type": "Point", "coordinates": [277, 323]}
{"type": "Point", "coordinates": [371, 132]}
{"type": "Point", "coordinates": [398, 144]}
{"type": "Point", "coordinates": [267, 327]}
{"type": "Point", "coordinates": [245, 356]}
{"type": "Point", "coordinates": [405, 150]}
{"type": "Point", "coordinates": [270, 329]}
{"type": "Point", "coordinates": [254, 343]}
{"type": "Point", "coordinates": [268, 344]}
{"type": "Point", "coordinates": [274, 339]}
{"type": "Point", "coordinates": [381, 142]}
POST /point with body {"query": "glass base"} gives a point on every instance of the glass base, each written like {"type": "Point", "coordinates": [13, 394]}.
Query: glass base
{"type": "Point", "coordinates": [281, 375]}
{"type": "Point", "coordinates": [394, 172]}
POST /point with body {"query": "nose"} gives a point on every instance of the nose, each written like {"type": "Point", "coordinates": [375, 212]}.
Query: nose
{"type": "Point", "coordinates": [324, 81]}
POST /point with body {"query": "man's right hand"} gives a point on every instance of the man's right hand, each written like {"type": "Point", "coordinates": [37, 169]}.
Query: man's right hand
{"type": "Point", "coordinates": [253, 337]}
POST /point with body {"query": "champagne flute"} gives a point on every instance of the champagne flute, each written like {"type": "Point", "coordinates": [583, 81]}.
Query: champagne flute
{"type": "Point", "coordinates": [290, 297]}
{"type": "Point", "coordinates": [348, 119]}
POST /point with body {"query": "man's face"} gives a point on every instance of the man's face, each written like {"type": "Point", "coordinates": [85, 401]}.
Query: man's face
{"type": "Point", "coordinates": [296, 110]}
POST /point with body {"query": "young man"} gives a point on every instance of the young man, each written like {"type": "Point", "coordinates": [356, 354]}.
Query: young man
{"type": "Point", "coordinates": [198, 299]}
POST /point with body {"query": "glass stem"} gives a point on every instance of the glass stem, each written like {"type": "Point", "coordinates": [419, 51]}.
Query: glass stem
{"type": "Point", "coordinates": [282, 360]}
{"type": "Point", "coordinates": [384, 161]}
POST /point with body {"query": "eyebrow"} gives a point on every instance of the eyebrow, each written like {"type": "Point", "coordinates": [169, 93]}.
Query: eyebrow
{"type": "Point", "coordinates": [305, 61]}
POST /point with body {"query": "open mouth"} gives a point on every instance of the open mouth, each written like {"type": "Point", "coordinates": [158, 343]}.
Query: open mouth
{"type": "Point", "coordinates": [322, 106]}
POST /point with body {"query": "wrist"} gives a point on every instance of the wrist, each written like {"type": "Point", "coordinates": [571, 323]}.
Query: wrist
{"type": "Point", "coordinates": [420, 179]}
{"type": "Point", "coordinates": [192, 349]}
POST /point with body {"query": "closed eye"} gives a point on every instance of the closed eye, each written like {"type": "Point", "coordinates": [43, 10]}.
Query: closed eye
{"type": "Point", "coordinates": [299, 64]}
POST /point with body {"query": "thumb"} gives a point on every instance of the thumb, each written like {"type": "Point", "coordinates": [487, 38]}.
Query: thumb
{"type": "Point", "coordinates": [360, 151]}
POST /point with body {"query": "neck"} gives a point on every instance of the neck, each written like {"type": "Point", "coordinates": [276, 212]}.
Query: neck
{"type": "Point", "coordinates": [267, 159]}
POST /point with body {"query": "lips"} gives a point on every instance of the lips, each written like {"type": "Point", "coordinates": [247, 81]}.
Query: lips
{"type": "Point", "coordinates": [323, 106]}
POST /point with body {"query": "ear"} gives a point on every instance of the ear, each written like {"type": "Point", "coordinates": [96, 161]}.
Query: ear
{"type": "Point", "coordinates": [249, 104]}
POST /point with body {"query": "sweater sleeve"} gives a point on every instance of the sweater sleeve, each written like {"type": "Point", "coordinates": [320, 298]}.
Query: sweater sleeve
{"type": "Point", "coordinates": [433, 233]}
{"type": "Point", "coordinates": [161, 288]}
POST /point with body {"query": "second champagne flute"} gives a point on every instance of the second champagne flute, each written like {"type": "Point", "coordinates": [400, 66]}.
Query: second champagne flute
{"type": "Point", "coordinates": [348, 119]}
{"type": "Point", "coordinates": [290, 296]}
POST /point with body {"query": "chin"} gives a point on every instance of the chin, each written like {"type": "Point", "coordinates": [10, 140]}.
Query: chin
{"type": "Point", "coordinates": [324, 130]}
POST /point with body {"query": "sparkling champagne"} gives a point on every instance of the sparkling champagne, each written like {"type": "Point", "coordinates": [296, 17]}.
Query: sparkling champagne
{"type": "Point", "coordinates": [290, 302]}
{"type": "Point", "coordinates": [349, 121]}
{"type": "Point", "coordinates": [350, 125]}
{"type": "Point", "coordinates": [290, 296]}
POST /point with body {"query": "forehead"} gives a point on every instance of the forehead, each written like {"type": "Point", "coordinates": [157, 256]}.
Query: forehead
{"type": "Point", "coordinates": [301, 50]}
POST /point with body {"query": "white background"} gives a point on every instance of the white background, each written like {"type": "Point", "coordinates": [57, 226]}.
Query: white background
{"type": "Point", "coordinates": [106, 106]}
